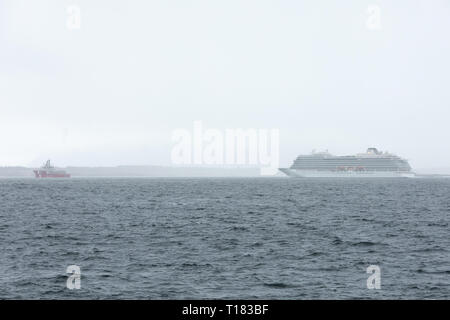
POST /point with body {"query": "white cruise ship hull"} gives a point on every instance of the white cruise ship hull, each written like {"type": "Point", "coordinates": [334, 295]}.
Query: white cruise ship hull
{"type": "Point", "coordinates": [345, 174]}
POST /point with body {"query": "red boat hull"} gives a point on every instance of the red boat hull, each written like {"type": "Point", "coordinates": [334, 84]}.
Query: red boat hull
{"type": "Point", "coordinates": [47, 174]}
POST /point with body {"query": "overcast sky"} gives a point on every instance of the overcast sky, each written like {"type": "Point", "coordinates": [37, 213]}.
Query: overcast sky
{"type": "Point", "coordinates": [113, 91]}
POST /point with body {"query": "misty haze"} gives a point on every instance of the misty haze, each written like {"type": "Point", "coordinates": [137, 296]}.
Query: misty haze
{"type": "Point", "coordinates": [112, 91]}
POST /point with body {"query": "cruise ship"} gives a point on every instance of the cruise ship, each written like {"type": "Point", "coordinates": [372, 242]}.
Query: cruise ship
{"type": "Point", "coordinates": [372, 164]}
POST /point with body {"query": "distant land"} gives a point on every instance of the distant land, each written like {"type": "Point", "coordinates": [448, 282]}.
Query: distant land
{"type": "Point", "coordinates": [431, 171]}
{"type": "Point", "coordinates": [139, 171]}
{"type": "Point", "coordinates": [166, 171]}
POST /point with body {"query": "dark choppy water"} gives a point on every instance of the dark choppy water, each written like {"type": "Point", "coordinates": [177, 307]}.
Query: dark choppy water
{"type": "Point", "coordinates": [224, 238]}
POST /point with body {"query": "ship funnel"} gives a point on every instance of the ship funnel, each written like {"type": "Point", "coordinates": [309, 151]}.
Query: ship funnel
{"type": "Point", "coordinates": [373, 151]}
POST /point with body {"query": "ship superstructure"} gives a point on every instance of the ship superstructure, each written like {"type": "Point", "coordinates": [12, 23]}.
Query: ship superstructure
{"type": "Point", "coordinates": [372, 163]}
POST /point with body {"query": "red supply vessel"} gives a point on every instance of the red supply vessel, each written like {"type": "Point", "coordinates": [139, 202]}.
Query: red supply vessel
{"type": "Point", "coordinates": [48, 171]}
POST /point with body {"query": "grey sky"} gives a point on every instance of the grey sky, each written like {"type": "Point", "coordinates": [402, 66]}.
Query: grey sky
{"type": "Point", "coordinates": [112, 92]}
